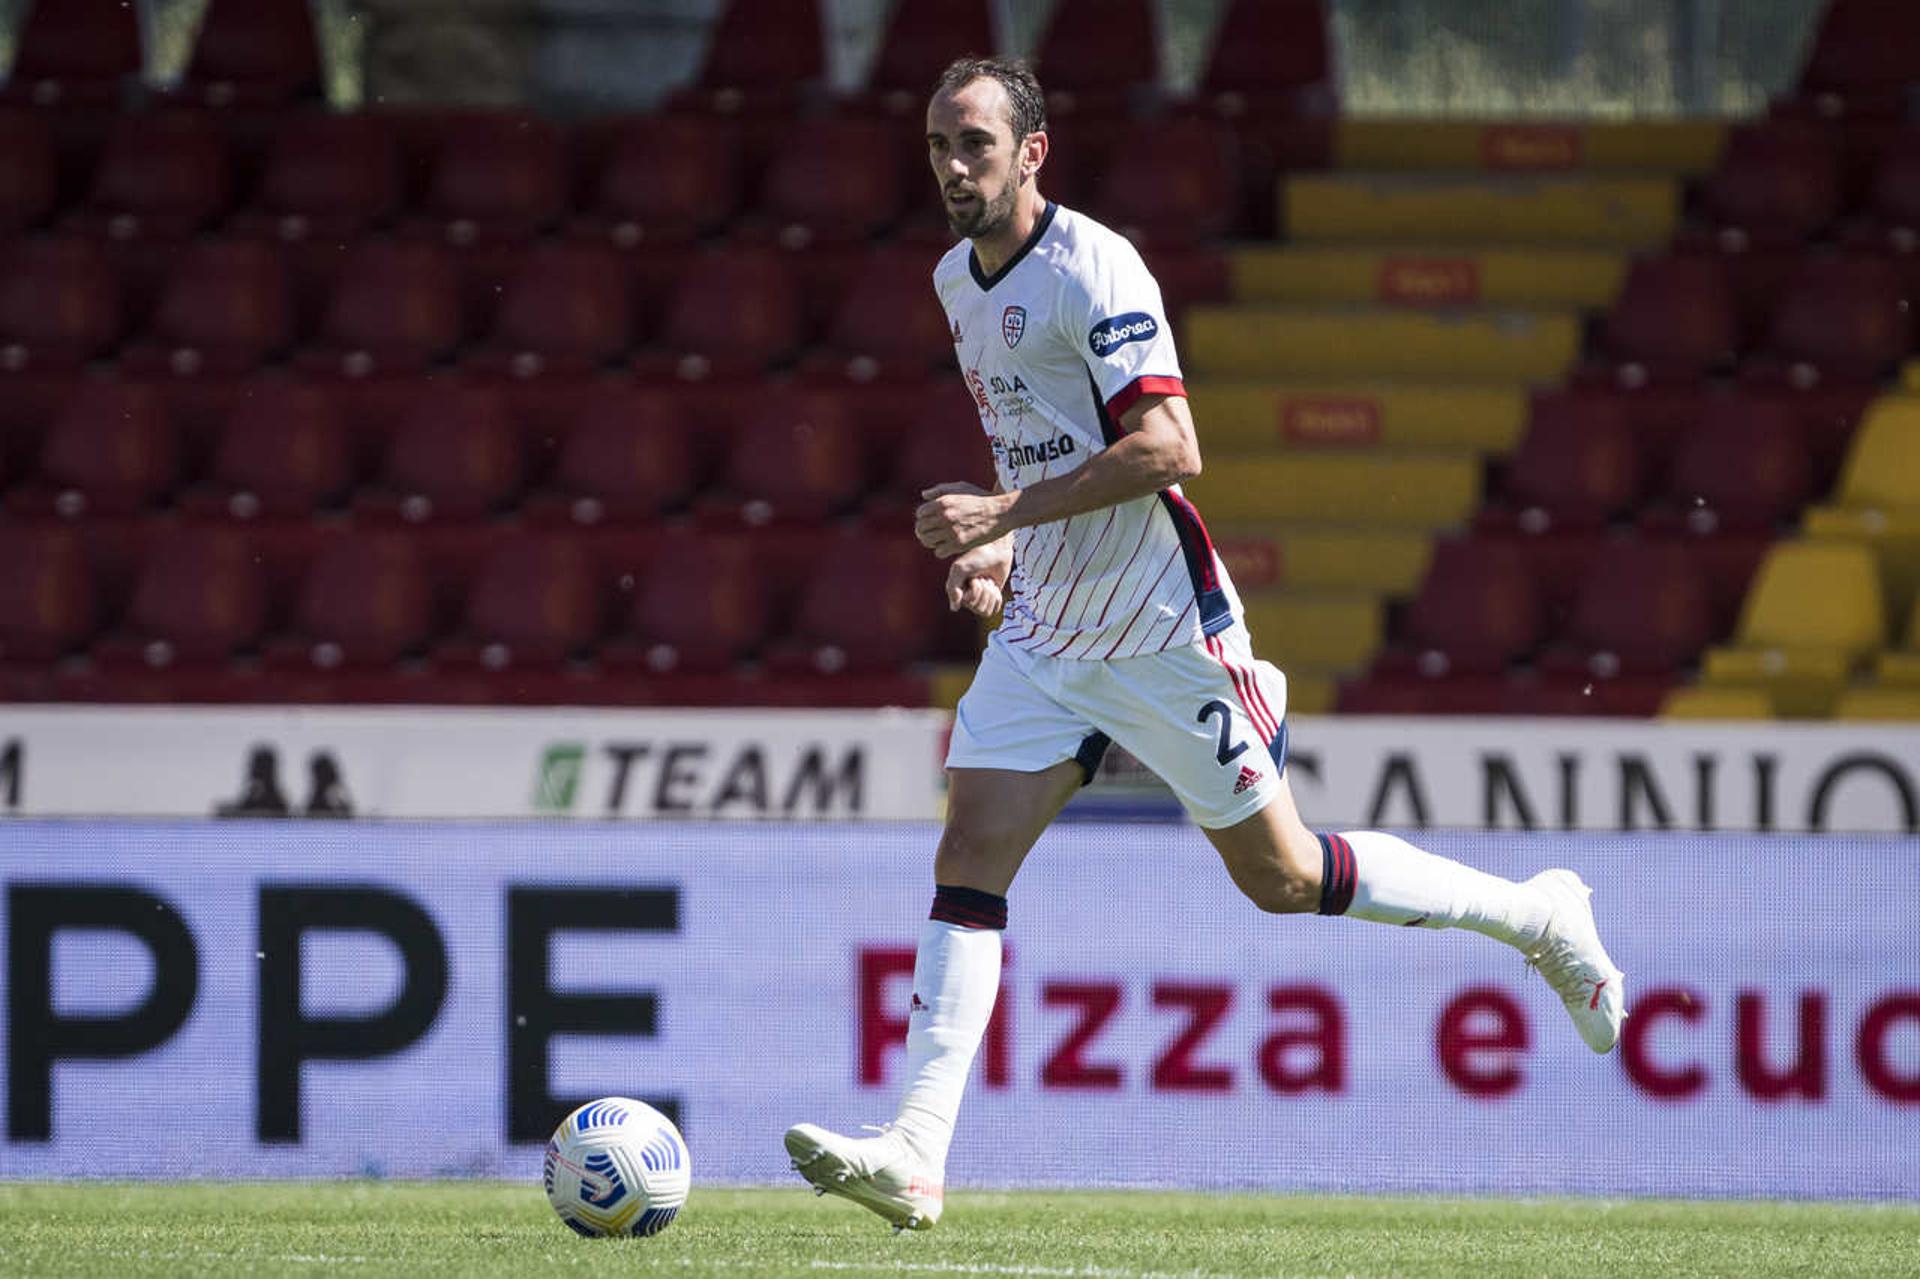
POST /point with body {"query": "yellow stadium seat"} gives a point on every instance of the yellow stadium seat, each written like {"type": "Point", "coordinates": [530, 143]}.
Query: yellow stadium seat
{"type": "Point", "coordinates": [1371, 342]}
{"type": "Point", "coordinates": [1260, 555]}
{"type": "Point", "coordinates": [1683, 147]}
{"type": "Point", "coordinates": [1878, 498]}
{"type": "Point", "coordinates": [1567, 209]}
{"type": "Point", "coordinates": [1879, 703]}
{"type": "Point", "coordinates": [1310, 693]}
{"type": "Point", "coordinates": [1309, 630]}
{"type": "Point", "coordinates": [1900, 667]}
{"type": "Point", "coordinates": [1701, 702]}
{"type": "Point", "coordinates": [1814, 613]}
{"type": "Point", "coordinates": [1244, 416]}
{"type": "Point", "coordinates": [1414, 276]}
{"type": "Point", "coordinates": [1381, 490]}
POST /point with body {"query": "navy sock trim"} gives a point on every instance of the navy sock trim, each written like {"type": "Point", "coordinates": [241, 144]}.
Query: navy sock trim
{"type": "Point", "coordinates": [968, 907]}
{"type": "Point", "coordinates": [1338, 875]}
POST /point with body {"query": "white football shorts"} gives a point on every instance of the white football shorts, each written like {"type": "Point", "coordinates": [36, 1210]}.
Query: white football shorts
{"type": "Point", "coordinates": [1208, 718]}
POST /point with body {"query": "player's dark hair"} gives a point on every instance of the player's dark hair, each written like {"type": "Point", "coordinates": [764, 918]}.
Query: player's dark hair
{"type": "Point", "coordinates": [1026, 104]}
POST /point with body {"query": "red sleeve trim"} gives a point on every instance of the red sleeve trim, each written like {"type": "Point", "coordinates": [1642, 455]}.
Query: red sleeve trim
{"type": "Point", "coordinates": [1130, 394]}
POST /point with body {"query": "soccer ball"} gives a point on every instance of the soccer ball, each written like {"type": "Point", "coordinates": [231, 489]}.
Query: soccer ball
{"type": "Point", "coordinates": [617, 1167]}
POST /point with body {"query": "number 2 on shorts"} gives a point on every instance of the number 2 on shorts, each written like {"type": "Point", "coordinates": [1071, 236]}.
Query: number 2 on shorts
{"type": "Point", "coordinates": [1227, 752]}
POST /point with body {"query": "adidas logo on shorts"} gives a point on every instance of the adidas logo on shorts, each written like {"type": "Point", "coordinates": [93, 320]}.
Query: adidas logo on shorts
{"type": "Point", "coordinates": [1248, 777]}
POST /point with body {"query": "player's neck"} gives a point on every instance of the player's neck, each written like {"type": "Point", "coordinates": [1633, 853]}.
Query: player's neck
{"type": "Point", "coordinates": [994, 251]}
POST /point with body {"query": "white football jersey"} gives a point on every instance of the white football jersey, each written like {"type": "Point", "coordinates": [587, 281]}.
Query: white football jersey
{"type": "Point", "coordinates": [1055, 346]}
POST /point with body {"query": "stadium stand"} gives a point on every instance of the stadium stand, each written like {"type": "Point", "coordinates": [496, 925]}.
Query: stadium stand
{"type": "Point", "coordinates": [1470, 392]}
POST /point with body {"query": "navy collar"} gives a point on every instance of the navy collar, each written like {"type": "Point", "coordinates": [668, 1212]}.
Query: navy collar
{"type": "Point", "coordinates": [986, 282]}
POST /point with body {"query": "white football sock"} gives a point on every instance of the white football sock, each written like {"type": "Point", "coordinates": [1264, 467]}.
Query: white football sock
{"type": "Point", "coordinates": [956, 978]}
{"type": "Point", "coordinates": [1393, 882]}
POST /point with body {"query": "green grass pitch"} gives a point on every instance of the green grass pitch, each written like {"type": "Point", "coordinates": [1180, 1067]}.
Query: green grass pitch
{"type": "Point", "coordinates": [427, 1228]}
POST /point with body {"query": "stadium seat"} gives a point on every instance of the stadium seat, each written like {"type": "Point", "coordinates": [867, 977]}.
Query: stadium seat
{"type": "Point", "coordinates": [1674, 322]}
{"type": "Point", "coordinates": [1270, 59]}
{"type": "Point", "coordinates": [1890, 210]}
{"type": "Point", "coordinates": [628, 456]}
{"type": "Point", "coordinates": [1877, 500]}
{"type": "Point", "coordinates": [364, 602]}
{"type": "Point", "coordinates": [936, 439]}
{"type": "Point", "coordinates": [1639, 616]}
{"type": "Point", "coordinates": [919, 41]}
{"type": "Point", "coordinates": [802, 202]}
{"type": "Point", "coordinates": [494, 178]}
{"type": "Point", "coordinates": [1477, 611]}
{"type": "Point", "coordinates": [1192, 198]}
{"type": "Point", "coordinates": [162, 176]}
{"type": "Point", "coordinates": [1814, 613]}
{"type": "Point", "coordinates": [701, 606]}
{"type": "Point", "coordinates": [59, 305]}
{"type": "Point", "coordinates": [762, 57]}
{"type": "Point", "coordinates": [283, 453]}
{"type": "Point", "coordinates": [564, 308]}
{"type": "Point", "coordinates": [535, 602]}
{"type": "Point", "coordinates": [870, 605]}
{"type": "Point", "coordinates": [1862, 59]}
{"type": "Point", "coordinates": [735, 311]}
{"type": "Point", "coordinates": [795, 457]}
{"type": "Point", "coordinates": [200, 597]}
{"type": "Point", "coordinates": [326, 177]}
{"type": "Point", "coordinates": [1093, 53]}
{"type": "Point", "coordinates": [47, 604]}
{"type": "Point", "coordinates": [1842, 318]}
{"type": "Point", "coordinates": [664, 180]}
{"type": "Point", "coordinates": [889, 325]}
{"type": "Point", "coordinates": [1776, 185]}
{"type": "Point", "coordinates": [1576, 468]}
{"type": "Point", "coordinates": [1708, 702]}
{"type": "Point", "coordinates": [456, 456]}
{"type": "Point", "coordinates": [226, 309]}
{"type": "Point", "coordinates": [75, 53]}
{"type": "Point", "coordinates": [29, 178]}
{"type": "Point", "coordinates": [113, 450]}
{"type": "Point", "coordinates": [254, 53]}
{"type": "Point", "coordinates": [394, 309]}
{"type": "Point", "coordinates": [1744, 468]}
{"type": "Point", "coordinates": [1900, 667]}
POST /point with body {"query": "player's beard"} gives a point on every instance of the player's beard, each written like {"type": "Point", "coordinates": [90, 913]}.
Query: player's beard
{"type": "Point", "coordinates": [983, 217]}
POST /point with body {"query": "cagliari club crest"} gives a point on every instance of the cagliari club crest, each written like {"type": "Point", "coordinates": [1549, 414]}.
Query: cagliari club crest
{"type": "Point", "coordinates": [1013, 325]}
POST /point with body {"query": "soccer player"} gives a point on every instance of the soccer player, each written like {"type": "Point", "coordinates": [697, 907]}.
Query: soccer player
{"type": "Point", "coordinates": [1120, 625]}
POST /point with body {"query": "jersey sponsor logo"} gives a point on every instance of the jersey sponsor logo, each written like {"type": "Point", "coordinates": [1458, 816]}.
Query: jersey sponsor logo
{"type": "Point", "coordinates": [1018, 454]}
{"type": "Point", "coordinates": [1013, 325]}
{"type": "Point", "coordinates": [1116, 331]}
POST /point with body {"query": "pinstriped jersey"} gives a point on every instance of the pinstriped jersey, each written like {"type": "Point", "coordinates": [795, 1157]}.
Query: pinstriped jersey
{"type": "Point", "coordinates": [1055, 346]}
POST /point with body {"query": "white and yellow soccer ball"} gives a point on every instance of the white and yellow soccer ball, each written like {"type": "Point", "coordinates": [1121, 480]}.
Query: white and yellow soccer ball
{"type": "Point", "coordinates": [617, 1167]}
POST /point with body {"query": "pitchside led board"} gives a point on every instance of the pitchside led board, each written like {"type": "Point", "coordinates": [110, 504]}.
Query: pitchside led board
{"type": "Point", "coordinates": [272, 999]}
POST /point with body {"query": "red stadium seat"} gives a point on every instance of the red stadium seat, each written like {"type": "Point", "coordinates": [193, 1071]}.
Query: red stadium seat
{"type": "Point", "coordinates": [1843, 318]}
{"type": "Point", "coordinates": [919, 41]}
{"type": "Point", "coordinates": [870, 605]}
{"type": "Point", "coordinates": [1271, 58]}
{"type": "Point", "coordinates": [227, 308]}
{"type": "Point", "coordinates": [1890, 211]}
{"type": "Point", "coordinates": [395, 309]}
{"type": "Point", "coordinates": [628, 456]}
{"type": "Point", "coordinates": [1641, 610]}
{"type": "Point", "coordinates": [797, 456]}
{"type": "Point", "coordinates": [664, 180]}
{"type": "Point", "coordinates": [59, 305]}
{"type": "Point", "coordinates": [163, 175]}
{"type": "Point", "coordinates": [47, 604]}
{"type": "Point", "coordinates": [889, 324]}
{"type": "Point", "coordinates": [1577, 467]}
{"type": "Point", "coordinates": [457, 456]}
{"type": "Point", "coordinates": [75, 53]}
{"type": "Point", "coordinates": [1192, 196]}
{"type": "Point", "coordinates": [29, 178]}
{"type": "Point", "coordinates": [564, 309]}
{"type": "Point", "coordinates": [1776, 185]}
{"type": "Point", "coordinates": [200, 597]}
{"type": "Point", "coordinates": [734, 312]}
{"type": "Point", "coordinates": [113, 450]}
{"type": "Point", "coordinates": [1745, 468]}
{"type": "Point", "coordinates": [1674, 322]}
{"type": "Point", "coordinates": [1478, 610]}
{"type": "Point", "coordinates": [1094, 52]}
{"type": "Point", "coordinates": [364, 602]}
{"type": "Point", "coordinates": [803, 202]}
{"type": "Point", "coordinates": [535, 602]}
{"type": "Point", "coordinates": [495, 178]}
{"type": "Point", "coordinates": [284, 452]}
{"type": "Point", "coordinates": [327, 177]}
{"type": "Point", "coordinates": [762, 57]}
{"type": "Point", "coordinates": [701, 606]}
{"type": "Point", "coordinates": [254, 53]}
{"type": "Point", "coordinates": [1864, 58]}
{"type": "Point", "coordinates": [939, 441]}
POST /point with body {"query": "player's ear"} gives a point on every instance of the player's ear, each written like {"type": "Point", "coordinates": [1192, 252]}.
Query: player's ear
{"type": "Point", "coordinates": [1033, 154]}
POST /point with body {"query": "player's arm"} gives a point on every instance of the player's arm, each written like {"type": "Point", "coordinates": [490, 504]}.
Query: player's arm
{"type": "Point", "coordinates": [1156, 450]}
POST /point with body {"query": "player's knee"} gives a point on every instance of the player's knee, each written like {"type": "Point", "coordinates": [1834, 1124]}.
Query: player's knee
{"type": "Point", "coordinates": [974, 857]}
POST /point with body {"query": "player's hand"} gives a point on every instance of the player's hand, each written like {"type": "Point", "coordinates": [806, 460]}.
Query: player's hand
{"type": "Point", "coordinates": [957, 518]}
{"type": "Point", "coordinates": [976, 581]}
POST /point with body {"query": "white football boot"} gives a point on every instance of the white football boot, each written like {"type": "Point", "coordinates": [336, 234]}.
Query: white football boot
{"type": "Point", "coordinates": [1569, 955]}
{"type": "Point", "coordinates": [882, 1174]}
